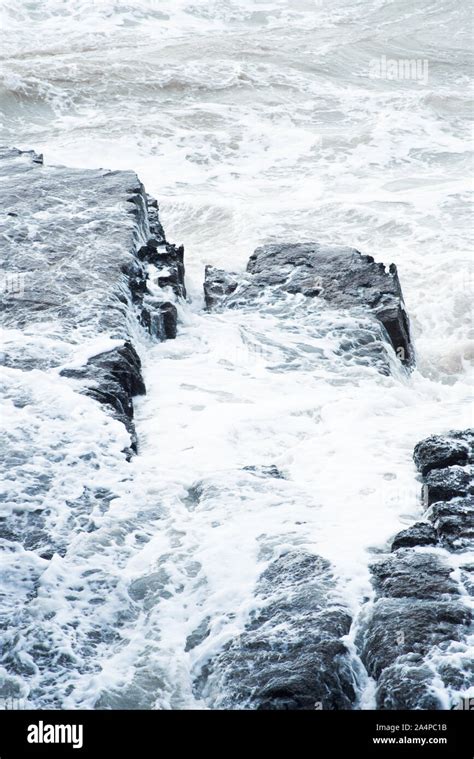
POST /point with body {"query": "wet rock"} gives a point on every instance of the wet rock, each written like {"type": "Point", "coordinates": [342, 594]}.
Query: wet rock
{"type": "Point", "coordinates": [444, 484]}
{"type": "Point", "coordinates": [265, 471]}
{"type": "Point", "coordinates": [198, 635]}
{"type": "Point", "coordinates": [467, 577]}
{"type": "Point", "coordinates": [290, 655]}
{"type": "Point", "coordinates": [413, 574]}
{"type": "Point", "coordinates": [154, 222]}
{"type": "Point", "coordinates": [402, 626]}
{"type": "Point", "coordinates": [420, 615]}
{"type": "Point", "coordinates": [217, 285]}
{"type": "Point", "coordinates": [408, 684]}
{"type": "Point", "coordinates": [454, 522]}
{"type": "Point", "coordinates": [161, 319]}
{"type": "Point", "coordinates": [342, 278]}
{"type": "Point", "coordinates": [439, 452]}
{"type": "Point", "coordinates": [448, 489]}
{"type": "Point", "coordinates": [73, 255]}
{"type": "Point", "coordinates": [419, 534]}
{"type": "Point", "coordinates": [113, 378]}
{"type": "Point", "coordinates": [169, 260]}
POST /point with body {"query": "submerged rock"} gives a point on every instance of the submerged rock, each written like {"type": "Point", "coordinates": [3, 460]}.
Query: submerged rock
{"type": "Point", "coordinates": [342, 278]}
{"type": "Point", "coordinates": [290, 655]}
{"type": "Point", "coordinates": [265, 471]}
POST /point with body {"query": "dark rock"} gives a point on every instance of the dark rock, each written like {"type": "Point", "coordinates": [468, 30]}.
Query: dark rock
{"type": "Point", "coordinates": [198, 635]}
{"type": "Point", "coordinates": [413, 574]}
{"type": "Point", "coordinates": [419, 534]}
{"type": "Point", "coordinates": [420, 607]}
{"type": "Point", "coordinates": [444, 484]}
{"type": "Point", "coordinates": [161, 319]}
{"type": "Point", "coordinates": [401, 626]}
{"type": "Point", "coordinates": [114, 377]}
{"type": "Point", "coordinates": [169, 260]}
{"type": "Point", "coordinates": [467, 577]}
{"type": "Point", "coordinates": [154, 222]}
{"type": "Point", "coordinates": [68, 234]}
{"type": "Point", "coordinates": [341, 277]}
{"type": "Point", "coordinates": [408, 684]}
{"type": "Point", "coordinates": [290, 656]}
{"type": "Point", "coordinates": [217, 285]}
{"type": "Point", "coordinates": [266, 471]}
{"type": "Point", "coordinates": [170, 320]}
{"type": "Point", "coordinates": [439, 452]}
{"type": "Point", "coordinates": [454, 522]}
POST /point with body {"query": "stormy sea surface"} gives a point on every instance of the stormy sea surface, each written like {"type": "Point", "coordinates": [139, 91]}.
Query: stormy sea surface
{"type": "Point", "coordinates": [252, 123]}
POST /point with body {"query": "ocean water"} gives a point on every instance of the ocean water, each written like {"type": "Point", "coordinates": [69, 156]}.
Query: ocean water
{"type": "Point", "coordinates": [251, 122]}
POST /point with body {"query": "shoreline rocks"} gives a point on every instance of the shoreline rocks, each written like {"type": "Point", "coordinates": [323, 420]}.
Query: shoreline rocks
{"type": "Point", "coordinates": [76, 299]}
{"type": "Point", "coordinates": [415, 636]}
{"type": "Point", "coordinates": [85, 246]}
{"type": "Point", "coordinates": [290, 655]}
{"type": "Point", "coordinates": [341, 278]}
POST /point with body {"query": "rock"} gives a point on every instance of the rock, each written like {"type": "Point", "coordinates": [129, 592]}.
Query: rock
{"type": "Point", "coordinates": [402, 626]}
{"type": "Point", "coordinates": [419, 534]}
{"type": "Point", "coordinates": [290, 655]}
{"type": "Point", "coordinates": [113, 378]}
{"type": "Point", "coordinates": [420, 609]}
{"type": "Point", "coordinates": [161, 319]}
{"type": "Point", "coordinates": [454, 522]}
{"type": "Point", "coordinates": [409, 683]}
{"type": "Point", "coordinates": [169, 260]}
{"type": "Point", "coordinates": [73, 244]}
{"type": "Point", "coordinates": [444, 484]}
{"type": "Point", "coordinates": [265, 471]}
{"type": "Point", "coordinates": [342, 278]}
{"type": "Point", "coordinates": [217, 285]}
{"type": "Point", "coordinates": [467, 576]}
{"type": "Point", "coordinates": [154, 222]}
{"type": "Point", "coordinates": [413, 574]}
{"type": "Point", "coordinates": [439, 452]}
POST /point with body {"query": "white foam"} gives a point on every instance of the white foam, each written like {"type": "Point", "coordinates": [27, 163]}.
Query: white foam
{"type": "Point", "coordinates": [250, 122]}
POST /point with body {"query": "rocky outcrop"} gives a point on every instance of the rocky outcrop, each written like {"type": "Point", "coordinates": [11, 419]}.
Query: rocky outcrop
{"type": "Point", "coordinates": [290, 655]}
{"type": "Point", "coordinates": [419, 534]}
{"type": "Point", "coordinates": [114, 378]}
{"type": "Point", "coordinates": [76, 300]}
{"type": "Point", "coordinates": [416, 635]}
{"type": "Point", "coordinates": [442, 451]}
{"type": "Point", "coordinates": [84, 250]}
{"type": "Point", "coordinates": [341, 278]}
{"type": "Point", "coordinates": [445, 464]}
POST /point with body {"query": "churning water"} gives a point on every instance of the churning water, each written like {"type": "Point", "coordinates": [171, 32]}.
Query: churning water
{"type": "Point", "coordinates": [251, 122]}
